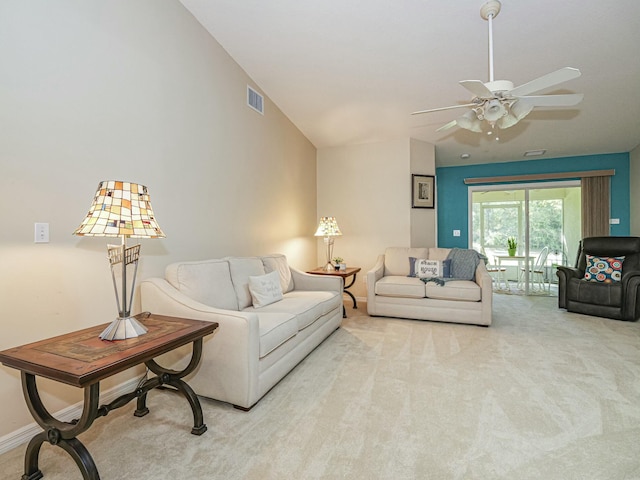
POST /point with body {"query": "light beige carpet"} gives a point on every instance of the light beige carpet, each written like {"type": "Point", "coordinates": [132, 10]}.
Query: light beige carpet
{"type": "Point", "coordinates": [541, 394]}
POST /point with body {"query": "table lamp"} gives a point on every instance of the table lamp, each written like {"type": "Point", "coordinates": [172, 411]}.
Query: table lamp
{"type": "Point", "coordinates": [121, 209]}
{"type": "Point", "coordinates": [328, 228]}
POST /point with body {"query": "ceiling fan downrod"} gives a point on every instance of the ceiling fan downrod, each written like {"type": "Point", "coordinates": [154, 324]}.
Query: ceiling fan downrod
{"type": "Point", "coordinates": [489, 11]}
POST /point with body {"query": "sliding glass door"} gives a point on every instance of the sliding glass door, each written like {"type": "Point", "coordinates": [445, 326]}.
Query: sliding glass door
{"type": "Point", "coordinates": [544, 220]}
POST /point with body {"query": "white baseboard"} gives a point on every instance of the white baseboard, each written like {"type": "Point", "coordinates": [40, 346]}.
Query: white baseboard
{"type": "Point", "coordinates": [26, 433]}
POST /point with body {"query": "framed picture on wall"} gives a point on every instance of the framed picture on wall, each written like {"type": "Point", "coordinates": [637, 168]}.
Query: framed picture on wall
{"type": "Point", "coordinates": [423, 191]}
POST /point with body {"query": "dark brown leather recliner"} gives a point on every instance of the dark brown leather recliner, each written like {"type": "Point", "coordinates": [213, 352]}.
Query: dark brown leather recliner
{"type": "Point", "coordinates": [619, 300]}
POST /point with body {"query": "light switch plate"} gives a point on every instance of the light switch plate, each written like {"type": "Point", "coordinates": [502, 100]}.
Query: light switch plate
{"type": "Point", "coordinates": [456, 233]}
{"type": "Point", "coordinates": [41, 233]}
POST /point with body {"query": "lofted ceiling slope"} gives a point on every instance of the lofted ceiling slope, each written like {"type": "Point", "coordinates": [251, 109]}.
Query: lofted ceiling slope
{"type": "Point", "coordinates": [348, 72]}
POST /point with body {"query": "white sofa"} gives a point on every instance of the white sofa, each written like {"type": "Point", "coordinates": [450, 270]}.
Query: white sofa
{"type": "Point", "coordinates": [253, 348]}
{"type": "Point", "coordinates": [392, 293]}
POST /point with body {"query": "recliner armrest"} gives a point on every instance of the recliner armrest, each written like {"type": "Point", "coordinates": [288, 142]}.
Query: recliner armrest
{"type": "Point", "coordinates": [569, 272]}
{"type": "Point", "coordinates": [564, 275]}
{"type": "Point", "coordinates": [628, 276]}
{"type": "Point", "coordinates": [631, 295]}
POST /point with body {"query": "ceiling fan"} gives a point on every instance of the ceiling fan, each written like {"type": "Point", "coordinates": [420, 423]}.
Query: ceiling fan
{"type": "Point", "coordinates": [497, 101]}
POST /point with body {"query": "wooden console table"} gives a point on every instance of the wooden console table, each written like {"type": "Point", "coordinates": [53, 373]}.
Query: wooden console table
{"type": "Point", "coordinates": [349, 272]}
{"type": "Point", "coordinates": [82, 359]}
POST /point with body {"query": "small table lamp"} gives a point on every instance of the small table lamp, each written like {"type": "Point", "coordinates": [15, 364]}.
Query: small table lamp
{"type": "Point", "coordinates": [121, 209]}
{"type": "Point", "coordinates": [328, 228]}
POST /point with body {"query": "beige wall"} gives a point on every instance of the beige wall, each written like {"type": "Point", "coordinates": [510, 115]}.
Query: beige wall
{"type": "Point", "coordinates": [367, 188]}
{"type": "Point", "coordinates": [634, 184]}
{"type": "Point", "coordinates": [134, 91]}
{"type": "Point", "coordinates": [423, 220]}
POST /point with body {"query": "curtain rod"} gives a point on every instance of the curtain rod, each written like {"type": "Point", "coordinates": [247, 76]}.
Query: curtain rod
{"type": "Point", "coordinates": [540, 176]}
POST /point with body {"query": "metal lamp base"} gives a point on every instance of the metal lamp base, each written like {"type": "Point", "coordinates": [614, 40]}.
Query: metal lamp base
{"type": "Point", "coordinates": [329, 267]}
{"type": "Point", "coordinates": [122, 328]}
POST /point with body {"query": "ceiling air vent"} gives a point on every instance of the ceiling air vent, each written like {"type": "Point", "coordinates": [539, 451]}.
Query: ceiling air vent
{"type": "Point", "coordinates": [255, 100]}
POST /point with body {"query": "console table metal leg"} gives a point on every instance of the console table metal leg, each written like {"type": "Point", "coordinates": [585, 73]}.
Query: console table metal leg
{"type": "Point", "coordinates": [31, 470]}
{"type": "Point", "coordinates": [355, 304]}
{"type": "Point", "coordinates": [198, 420]}
{"type": "Point", "coordinates": [73, 447]}
{"type": "Point", "coordinates": [174, 378]}
{"type": "Point", "coordinates": [61, 434]}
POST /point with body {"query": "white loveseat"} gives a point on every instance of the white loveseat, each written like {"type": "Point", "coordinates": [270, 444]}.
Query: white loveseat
{"type": "Point", "coordinates": [391, 292]}
{"type": "Point", "coordinates": [253, 348]}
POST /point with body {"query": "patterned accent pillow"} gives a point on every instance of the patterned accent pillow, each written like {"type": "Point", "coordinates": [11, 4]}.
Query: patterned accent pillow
{"type": "Point", "coordinates": [603, 269]}
{"type": "Point", "coordinates": [425, 268]}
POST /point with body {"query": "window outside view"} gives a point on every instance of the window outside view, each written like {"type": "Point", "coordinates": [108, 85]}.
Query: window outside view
{"type": "Point", "coordinates": [553, 235]}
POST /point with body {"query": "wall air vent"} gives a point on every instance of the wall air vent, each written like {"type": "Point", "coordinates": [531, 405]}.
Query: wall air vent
{"type": "Point", "coordinates": [255, 100]}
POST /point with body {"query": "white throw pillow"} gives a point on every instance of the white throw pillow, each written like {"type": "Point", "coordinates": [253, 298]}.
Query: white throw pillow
{"type": "Point", "coordinates": [425, 268]}
{"type": "Point", "coordinates": [429, 268]}
{"type": "Point", "coordinates": [265, 289]}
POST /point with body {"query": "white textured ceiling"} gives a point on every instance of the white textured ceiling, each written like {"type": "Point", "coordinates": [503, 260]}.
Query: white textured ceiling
{"type": "Point", "coordinates": [352, 71]}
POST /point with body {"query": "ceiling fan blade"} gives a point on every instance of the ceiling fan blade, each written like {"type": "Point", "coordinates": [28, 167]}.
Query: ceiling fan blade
{"type": "Point", "coordinates": [447, 126]}
{"type": "Point", "coordinates": [545, 81]}
{"type": "Point", "coordinates": [444, 108]}
{"type": "Point", "coordinates": [568, 100]}
{"type": "Point", "coordinates": [478, 88]}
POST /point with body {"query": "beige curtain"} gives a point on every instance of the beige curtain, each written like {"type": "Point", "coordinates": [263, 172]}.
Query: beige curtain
{"type": "Point", "coordinates": [595, 206]}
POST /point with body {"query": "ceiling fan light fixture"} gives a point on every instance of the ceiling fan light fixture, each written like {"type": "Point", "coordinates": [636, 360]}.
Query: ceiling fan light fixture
{"type": "Point", "coordinates": [517, 111]}
{"type": "Point", "coordinates": [507, 121]}
{"type": "Point", "coordinates": [520, 109]}
{"type": "Point", "coordinates": [494, 110]}
{"type": "Point", "coordinates": [470, 121]}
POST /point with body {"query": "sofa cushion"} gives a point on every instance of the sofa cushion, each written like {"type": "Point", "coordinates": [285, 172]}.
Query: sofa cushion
{"type": "Point", "coordinates": [464, 290]}
{"type": "Point", "coordinates": [207, 282]}
{"type": "Point", "coordinates": [400, 286]}
{"type": "Point", "coordinates": [396, 259]}
{"type": "Point", "coordinates": [265, 289]}
{"type": "Point", "coordinates": [307, 307]}
{"type": "Point", "coordinates": [241, 269]}
{"type": "Point", "coordinates": [275, 329]}
{"type": "Point", "coordinates": [278, 263]}
{"type": "Point", "coordinates": [595, 293]}
{"type": "Point", "coordinates": [436, 253]}
{"type": "Point", "coordinates": [328, 300]}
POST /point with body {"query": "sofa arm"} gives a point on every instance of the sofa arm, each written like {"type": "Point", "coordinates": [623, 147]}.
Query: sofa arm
{"type": "Point", "coordinates": [229, 367]}
{"type": "Point", "coordinates": [485, 282]}
{"type": "Point", "coordinates": [309, 282]}
{"type": "Point", "coordinates": [564, 275]}
{"type": "Point", "coordinates": [373, 275]}
{"type": "Point", "coordinates": [483, 279]}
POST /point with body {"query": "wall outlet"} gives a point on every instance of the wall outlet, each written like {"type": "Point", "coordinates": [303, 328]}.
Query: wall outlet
{"type": "Point", "coordinates": [614, 221]}
{"type": "Point", "coordinates": [41, 233]}
{"type": "Point", "coordinates": [456, 233]}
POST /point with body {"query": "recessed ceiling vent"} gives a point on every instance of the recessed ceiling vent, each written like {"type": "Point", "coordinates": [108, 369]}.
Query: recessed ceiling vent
{"type": "Point", "coordinates": [534, 153]}
{"type": "Point", "coordinates": [255, 100]}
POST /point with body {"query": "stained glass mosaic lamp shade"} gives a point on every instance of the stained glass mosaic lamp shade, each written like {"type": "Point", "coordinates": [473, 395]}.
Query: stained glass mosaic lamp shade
{"type": "Point", "coordinates": [121, 209]}
{"type": "Point", "coordinates": [328, 228]}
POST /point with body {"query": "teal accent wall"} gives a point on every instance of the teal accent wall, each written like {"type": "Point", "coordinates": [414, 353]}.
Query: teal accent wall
{"type": "Point", "coordinates": [453, 200]}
